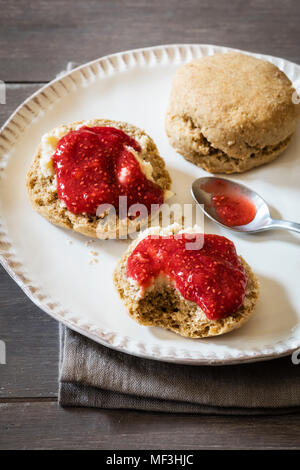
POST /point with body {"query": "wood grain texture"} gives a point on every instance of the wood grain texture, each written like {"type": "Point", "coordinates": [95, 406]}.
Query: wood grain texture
{"type": "Point", "coordinates": [38, 38]}
{"type": "Point", "coordinates": [31, 339]}
{"type": "Point", "coordinates": [46, 426]}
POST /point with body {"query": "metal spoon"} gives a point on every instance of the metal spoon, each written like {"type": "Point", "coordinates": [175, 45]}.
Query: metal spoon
{"type": "Point", "coordinates": [262, 220]}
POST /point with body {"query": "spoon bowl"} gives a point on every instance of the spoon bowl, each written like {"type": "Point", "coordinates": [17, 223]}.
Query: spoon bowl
{"type": "Point", "coordinates": [203, 191]}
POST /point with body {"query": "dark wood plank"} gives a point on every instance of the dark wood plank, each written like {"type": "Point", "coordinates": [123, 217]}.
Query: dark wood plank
{"type": "Point", "coordinates": [31, 339]}
{"type": "Point", "coordinates": [46, 426]}
{"type": "Point", "coordinates": [38, 38]}
{"type": "Point", "coordinates": [30, 335]}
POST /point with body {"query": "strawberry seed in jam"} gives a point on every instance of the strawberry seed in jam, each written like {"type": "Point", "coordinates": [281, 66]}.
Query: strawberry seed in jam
{"type": "Point", "coordinates": [95, 165]}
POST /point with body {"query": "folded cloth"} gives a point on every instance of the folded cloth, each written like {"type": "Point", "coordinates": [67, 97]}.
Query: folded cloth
{"type": "Point", "coordinates": [92, 375]}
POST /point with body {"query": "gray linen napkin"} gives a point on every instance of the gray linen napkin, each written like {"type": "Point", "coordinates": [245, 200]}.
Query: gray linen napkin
{"type": "Point", "coordinates": [92, 375]}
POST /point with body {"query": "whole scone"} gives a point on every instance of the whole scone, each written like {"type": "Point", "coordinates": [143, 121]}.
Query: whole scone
{"type": "Point", "coordinates": [162, 305]}
{"type": "Point", "coordinates": [42, 186]}
{"type": "Point", "coordinates": [231, 112]}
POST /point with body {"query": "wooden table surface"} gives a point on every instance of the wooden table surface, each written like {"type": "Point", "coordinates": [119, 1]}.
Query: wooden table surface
{"type": "Point", "coordinates": [37, 39]}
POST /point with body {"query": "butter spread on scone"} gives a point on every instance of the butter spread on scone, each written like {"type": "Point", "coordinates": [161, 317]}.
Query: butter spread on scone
{"type": "Point", "coordinates": [197, 293]}
{"type": "Point", "coordinates": [50, 140]}
{"type": "Point", "coordinates": [84, 165]}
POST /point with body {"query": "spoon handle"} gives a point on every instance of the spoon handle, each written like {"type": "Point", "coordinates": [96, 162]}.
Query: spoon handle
{"type": "Point", "coordinates": [285, 224]}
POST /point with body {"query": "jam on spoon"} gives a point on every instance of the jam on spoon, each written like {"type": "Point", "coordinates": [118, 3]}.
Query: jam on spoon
{"type": "Point", "coordinates": [231, 205]}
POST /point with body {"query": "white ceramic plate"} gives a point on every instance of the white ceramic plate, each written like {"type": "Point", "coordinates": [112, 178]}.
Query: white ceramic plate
{"type": "Point", "coordinates": [134, 86]}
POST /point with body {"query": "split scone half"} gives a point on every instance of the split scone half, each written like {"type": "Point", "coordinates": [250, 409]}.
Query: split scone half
{"type": "Point", "coordinates": [161, 304]}
{"type": "Point", "coordinates": [42, 182]}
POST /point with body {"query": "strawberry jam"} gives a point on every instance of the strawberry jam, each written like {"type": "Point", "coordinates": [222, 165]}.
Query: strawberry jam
{"type": "Point", "coordinates": [94, 166]}
{"type": "Point", "coordinates": [232, 206]}
{"type": "Point", "coordinates": [212, 276]}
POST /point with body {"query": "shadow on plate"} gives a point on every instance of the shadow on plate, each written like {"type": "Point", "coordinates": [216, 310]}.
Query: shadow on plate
{"type": "Point", "coordinates": [281, 172]}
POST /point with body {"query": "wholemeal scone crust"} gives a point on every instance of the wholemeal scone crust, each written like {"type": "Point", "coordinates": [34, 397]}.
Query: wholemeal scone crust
{"type": "Point", "coordinates": [162, 305]}
{"type": "Point", "coordinates": [44, 199]}
{"type": "Point", "coordinates": [231, 112]}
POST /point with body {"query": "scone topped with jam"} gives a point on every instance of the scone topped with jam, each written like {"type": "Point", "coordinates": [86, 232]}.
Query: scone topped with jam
{"type": "Point", "coordinates": [231, 112]}
{"type": "Point", "coordinates": [84, 168]}
{"type": "Point", "coordinates": [193, 284]}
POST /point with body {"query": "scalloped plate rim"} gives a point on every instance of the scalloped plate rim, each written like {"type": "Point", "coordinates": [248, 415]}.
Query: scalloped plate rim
{"type": "Point", "coordinates": [245, 357]}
